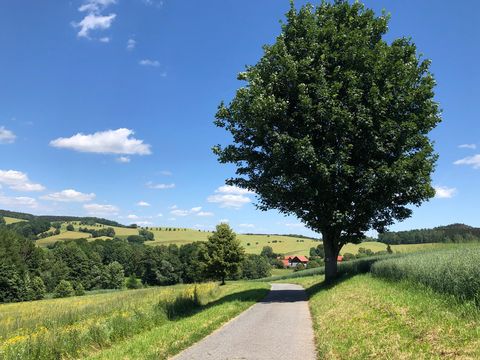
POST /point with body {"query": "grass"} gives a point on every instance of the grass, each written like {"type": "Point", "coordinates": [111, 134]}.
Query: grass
{"type": "Point", "coordinates": [453, 271]}
{"type": "Point", "coordinates": [10, 220]}
{"type": "Point", "coordinates": [90, 325]}
{"type": "Point", "coordinates": [363, 317]}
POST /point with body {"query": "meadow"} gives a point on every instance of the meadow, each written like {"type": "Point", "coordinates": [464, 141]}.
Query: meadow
{"type": "Point", "coordinates": [113, 322]}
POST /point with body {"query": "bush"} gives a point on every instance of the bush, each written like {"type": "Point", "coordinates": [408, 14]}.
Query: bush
{"type": "Point", "coordinates": [299, 267]}
{"type": "Point", "coordinates": [79, 289]}
{"type": "Point", "coordinates": [38, 289]}
{"type": "Point", "coordinates": [70, 227]}
{"type": "Point", "coordinates": [63, 289]}
{"type": "Point", "coordinates": [133, 283]}
{"type": "Point", "coordinates": [114, 276]}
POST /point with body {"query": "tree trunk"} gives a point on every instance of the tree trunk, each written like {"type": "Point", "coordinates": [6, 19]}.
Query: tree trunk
{"type": "Point", "coordinates": [223, 280]}
{"type": "Point", "coordinates": [331, 252]}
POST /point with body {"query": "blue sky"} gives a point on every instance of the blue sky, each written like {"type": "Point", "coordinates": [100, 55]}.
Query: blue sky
{"type": "Point", "coordinates": [106, 107]}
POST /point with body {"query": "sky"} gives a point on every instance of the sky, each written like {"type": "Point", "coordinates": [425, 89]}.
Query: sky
{"type": "Point", "coordinates": [107, 107]}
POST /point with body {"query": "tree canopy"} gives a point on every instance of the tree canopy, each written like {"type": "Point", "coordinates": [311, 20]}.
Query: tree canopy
{"type": "Point", "coordinates": [332, 124]}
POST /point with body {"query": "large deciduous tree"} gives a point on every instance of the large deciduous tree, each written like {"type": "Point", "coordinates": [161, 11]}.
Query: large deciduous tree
{"type": "Point", "coordinates": [332, 125]}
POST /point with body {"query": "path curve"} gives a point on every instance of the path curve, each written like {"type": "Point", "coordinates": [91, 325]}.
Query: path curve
{"type": "Point", "coordinates": [278, 327]}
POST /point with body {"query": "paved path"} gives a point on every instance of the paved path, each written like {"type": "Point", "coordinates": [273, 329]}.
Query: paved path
{"type": "Point", "coordinates": [279, 327]}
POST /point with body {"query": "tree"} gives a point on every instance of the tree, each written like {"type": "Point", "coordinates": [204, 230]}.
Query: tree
{"type": "Point", "coordinates": [38, 288]}
{"type": "Point", "coordinates": [133, 283]}
{"type": "Point", "coordinates": [223, 253]}
{"type": "Point", "coordinates": [114, 276]}
{"type": "Point", "coordinates": [2, 221]}
{"type": "Point", "coordinates": [70, 227]}
{"type": "Point", "coordinates": [63, 289]}
{"type": "Point", "coordinates": [332, 125]}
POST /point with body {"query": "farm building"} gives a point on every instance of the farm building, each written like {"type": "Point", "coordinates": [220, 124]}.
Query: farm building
{"type": "Point", "coordinates": [294, 260]}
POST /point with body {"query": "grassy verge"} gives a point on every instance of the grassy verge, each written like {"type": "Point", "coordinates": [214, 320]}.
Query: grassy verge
{"type": "Point", "coordinates": [77, 327]}
{"type": "Point", "coordinates": [364, 317]}
{"type": "Point", "coordinates": [176, 335]}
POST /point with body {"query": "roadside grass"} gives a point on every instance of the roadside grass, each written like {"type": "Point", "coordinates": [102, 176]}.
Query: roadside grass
{"type": "Point", "coordinates": [169, 339]}
{"type": "Point", "coordinates": [363, 317]}
{"type": "Point", "coordinates": [82, 326]}
{"type": "Point", "coordinates": [281, 272]}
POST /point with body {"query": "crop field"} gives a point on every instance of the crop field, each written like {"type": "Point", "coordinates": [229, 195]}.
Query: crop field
{"type": "Point", "coordinates": [376, 319]}
{"type": "Point", "coordinates": [376, 246]}
{"type": "Point", "coordinates": [452, 271]}
{"type": "Point", "coordinates": [118, 324]}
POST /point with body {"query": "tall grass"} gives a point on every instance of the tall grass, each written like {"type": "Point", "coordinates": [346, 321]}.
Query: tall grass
{"type": "Point", "coordinates": [451, 271]}
{"type": "Point", "coordinates": [69, 330]}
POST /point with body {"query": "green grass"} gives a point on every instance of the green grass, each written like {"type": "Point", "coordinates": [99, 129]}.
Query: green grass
{"type": "Point", "coordinates": [9, 220]}
{"type": "Point", "coordinates": [363, 317]}
{"type": "Point", "coordinates": [453, 271]}
{"type": "Point", "coordinates": [135, 323]}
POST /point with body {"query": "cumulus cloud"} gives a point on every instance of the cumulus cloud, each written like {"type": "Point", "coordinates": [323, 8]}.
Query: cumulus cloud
{"type": "Point", "coordinates": [100, 209]}
{"type": "Point", "coordinates": [444, 192]}
{"type": "Point", "coordinates": [18, 202]}
{"type": "Point", "coordinates": [132, 217]}
{"type": "Point", "coordinates": [69, 195]}
{"type": "Point", "coordinates": [118, 141]}
{"type": "Point", "coordinates": [94, 20]}
{"type": "Point", "coordinates": [131, 43]}
{"type": "Point", "coordinates": [193, 211]}
{"type": "Point", "coordinates": [473, 161]}
{"type": "Point", "coordinates": [228, 196]}
{"type": "Point", "coordinates": [468, 146]}
{"type": "Point", "coordinates": [151, 185]}
{"type": "Point", "coordinates": [17, 180]}
{"type": "Point", "coordinates": [144, 223]}
{"type": "Point", "coordinates": [179, 212]}
{"type": "Point", "coordinates": [143, 203]}
{"type": "Point", "coordinates": [6, 136]}
{"type": "Point", "coordinates": [196, 209]}
{"type": "Point", "coordinates": [247, 226]}
{"type": "Point", "coordinates": [294, 225]}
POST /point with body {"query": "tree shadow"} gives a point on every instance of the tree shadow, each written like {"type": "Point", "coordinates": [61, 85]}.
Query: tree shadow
{"type": "Point", "coordinates": [324, 285]}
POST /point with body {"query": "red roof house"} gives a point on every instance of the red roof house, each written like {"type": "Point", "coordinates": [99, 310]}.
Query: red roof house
{"type": "Point", "coordinates": [294, 260]}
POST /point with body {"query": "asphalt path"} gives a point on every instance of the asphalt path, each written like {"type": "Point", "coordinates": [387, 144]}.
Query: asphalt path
{"type": "Point", "coordinates": [278, 327]}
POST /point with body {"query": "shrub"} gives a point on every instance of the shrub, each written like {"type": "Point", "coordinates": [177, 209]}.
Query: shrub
{"type": "Point", "coordinates": [63, 289]}
{"type": "Point", "coordinates": [70, 227]}
{"type": "Point", "coordinates": [38, 288]}
{"type": "Point", "coordinates": [133, 283]}
{"type": "Point", "coordinates": [79, 289]}
{"type": "Point", "coordinates": [299, 267]}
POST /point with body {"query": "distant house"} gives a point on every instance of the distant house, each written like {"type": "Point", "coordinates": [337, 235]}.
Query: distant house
{"type": "Point", "coordinates": [294, 260]}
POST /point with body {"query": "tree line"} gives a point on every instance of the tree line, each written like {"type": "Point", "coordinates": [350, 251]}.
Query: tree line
{"type": "Point", "coordinates": [28, 272]}
{"type": "Point", "coordinates": [455, 233]}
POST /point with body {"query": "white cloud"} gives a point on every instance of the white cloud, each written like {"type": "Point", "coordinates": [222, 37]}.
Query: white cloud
{"type": "Point", "coordinates": [294, 225]}
{"type": "Point", "coordinates": [149, 62]}
{"type": "Point", "coordinates": [166, 173]}
{"type": "Point", "coordinates": [156, 3]}
{"type": "Point", "coordinates": [234, 190]}
{"type": "Point", "coordinates": [131, 43]}
{"type": "Point", "coordinates": [224, 221]}
{"type": "Point", "coordinates": [474, 161]}
{"type": "Point", "coordinates": [247, 225]}
{"type": "Point", "coordinates": [100, 209]}
{"type": "Point", "coordinates": [95, 5]}
{"type": "Point", "coordinates": [205, 213]}
{"type": "Point", "coordinates": [6, 136]}
{"type": "Point", "coordinates": [144, 223]}
{"type": "Point", "coordinates": [92, 22]}
{"type": "Point", "coordinates": [17, 180]}
{"type": "Point", "coordinates": [143, 203]}
{"type": "Point", "coordinates": [132, 217]}
{"type": "Point", "coordinates": [178, 212]}
{"type": "Point", "coordinates": [105, 39]}
{"type": "Point", "coordinates": [104, 142]}
{"type": "Point", "coordinates": [69, 195]}
{"type": "Point", "coordinates": [173, 207]}
{"type": "Point", "coordinates": [230, 196]}
{"type": "Point", "coordinates": [468, 146]}
{"type": "Point", "coordinates": [444, 192]}
{"type": "Point", "coordinates": [160, 186]}
{"type": "Point", "coordinates": [229, 201]}
{"type": "Point", "coordinates": [196, 209]}
{"type": "Point", "coordinates": [18, 202]}
{"type": "Point", "coordinates": [160, 215]}
{"type": "Point", "coordinates": [123, 159]}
